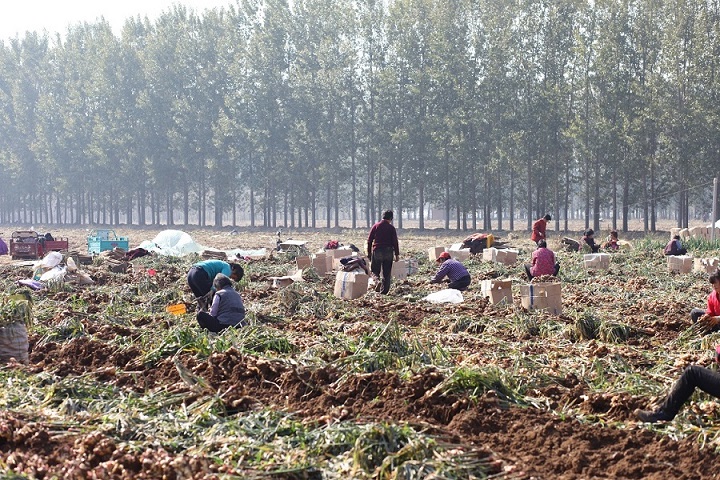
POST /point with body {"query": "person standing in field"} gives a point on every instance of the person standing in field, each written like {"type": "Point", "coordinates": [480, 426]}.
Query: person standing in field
{"type": "Point", "coordinates": [382, 245]}
{"type": "Point", "coordinates": [200, 278]}
{"type": "Point", "coordinates": [455, 271]}
{"type": "Point", "coordinates": [539, 227]}
{"type": "Point", "coordinates": [542, 262]}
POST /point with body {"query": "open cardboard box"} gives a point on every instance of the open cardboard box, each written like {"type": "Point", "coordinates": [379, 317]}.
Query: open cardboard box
{"type": "Point", "coordinates": [497, 291]}
{"type": "Point", "coordinates": [542, 296]}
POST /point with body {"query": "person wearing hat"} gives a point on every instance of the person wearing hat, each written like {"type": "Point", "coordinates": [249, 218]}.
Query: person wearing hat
{"type": "Point", "coordinates": [539, 227]}
{"type": "Point", "coordinates": [382, 245]}
{"type": "Point", "coordinates": [455, 271]}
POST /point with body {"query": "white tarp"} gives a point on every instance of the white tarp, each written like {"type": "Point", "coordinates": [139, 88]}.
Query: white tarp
{"type": "Point", "coordinates": [449, 295]}
{"type": "Point", "coordinates": [176, 243]}
{"type": "Point", "coordinates": [173, 243]}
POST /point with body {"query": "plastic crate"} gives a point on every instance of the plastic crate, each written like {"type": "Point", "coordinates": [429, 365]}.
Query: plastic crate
{"type": "Point", "coordinates": [102, 240]}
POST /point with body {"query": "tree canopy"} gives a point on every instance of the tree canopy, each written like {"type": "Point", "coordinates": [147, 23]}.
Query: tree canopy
{"type": "Point", "coordinates": [306, 113]}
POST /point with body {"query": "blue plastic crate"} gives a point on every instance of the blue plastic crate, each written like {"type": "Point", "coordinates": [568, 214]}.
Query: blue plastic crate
{"type": "Point", "coordinates": [102, 240]}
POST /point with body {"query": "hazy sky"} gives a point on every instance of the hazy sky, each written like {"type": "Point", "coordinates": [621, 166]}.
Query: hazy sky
{"type": "Point", "coordinates": [19, 16]}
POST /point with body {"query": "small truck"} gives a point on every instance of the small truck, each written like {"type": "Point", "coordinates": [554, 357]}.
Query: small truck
{"type": "Point", "coordinates": [28, 245]}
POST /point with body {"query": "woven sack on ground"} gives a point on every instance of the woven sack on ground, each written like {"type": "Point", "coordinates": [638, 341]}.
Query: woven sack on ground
{"type": "Point", "coordinates": [14, 342]}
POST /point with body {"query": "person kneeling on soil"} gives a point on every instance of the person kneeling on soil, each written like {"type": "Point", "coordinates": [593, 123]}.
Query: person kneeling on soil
{"type": "Point", "coordinates": [227, 308]}
{"type": "Point", "coordinates": [693, 377]}
{"type": "Point", "coordinates": [611, 242]}
{"type": "Point", "coordinates": [674, 247]}
{"type": "Point", "coordinates": [710, 317]}
{"type": "Point", "coordinates": [201, 275]}
{"type": "Point", "coordinates": [456, 272]}
{"type": "Point", "coordinates": [542, 262]}
{"type": "Point", "coordinates": [588, 241]}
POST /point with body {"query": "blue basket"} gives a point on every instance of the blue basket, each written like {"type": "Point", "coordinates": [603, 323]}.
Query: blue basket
{"type": "Point", "coordinates": [102, 240]}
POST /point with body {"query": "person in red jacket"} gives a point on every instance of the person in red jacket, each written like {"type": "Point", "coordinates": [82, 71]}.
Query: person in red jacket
{"type": "Point", "coordinates": [539, 227]}
{"type": "Point", "coordinates": [710, 316]}
{"type": "Point", "coordinates": [382, 243]}
{"type": "Point", "coordinates": [542, 262]}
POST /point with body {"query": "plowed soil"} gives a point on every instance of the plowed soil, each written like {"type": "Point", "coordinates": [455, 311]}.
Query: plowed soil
{"type": "Point", "coordinates": [522, 441]}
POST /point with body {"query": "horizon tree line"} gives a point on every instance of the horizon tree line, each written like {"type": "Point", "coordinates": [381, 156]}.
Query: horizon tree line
{"type": "Point", "coordinates": [299, 113]}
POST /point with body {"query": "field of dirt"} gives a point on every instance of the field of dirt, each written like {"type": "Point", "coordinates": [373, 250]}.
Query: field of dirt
{"type": "Point", "coordinates": [499, 391]}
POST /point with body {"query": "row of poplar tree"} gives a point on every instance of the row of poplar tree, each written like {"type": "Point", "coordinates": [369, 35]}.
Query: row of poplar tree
{"type": "Point", "coordinates": [309, 112]}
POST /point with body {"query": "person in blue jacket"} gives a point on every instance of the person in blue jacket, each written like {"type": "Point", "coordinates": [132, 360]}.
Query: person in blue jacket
{"type": "Point", "coordinates": [200, 278]}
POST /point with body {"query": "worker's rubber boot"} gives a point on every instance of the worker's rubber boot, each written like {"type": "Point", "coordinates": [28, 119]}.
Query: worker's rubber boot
{"type": "Point", "coordinates": [652, 416]}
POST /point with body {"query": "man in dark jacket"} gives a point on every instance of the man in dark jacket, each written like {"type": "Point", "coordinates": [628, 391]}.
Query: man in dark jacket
{"type": "Point", "coordinates": [382, 243]}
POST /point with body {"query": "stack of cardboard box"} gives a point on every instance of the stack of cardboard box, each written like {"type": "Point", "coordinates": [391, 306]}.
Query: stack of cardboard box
{"type": "Point", "coordinates": [698, 233]}
{"type": "Point", "coordinates": [506, 256]}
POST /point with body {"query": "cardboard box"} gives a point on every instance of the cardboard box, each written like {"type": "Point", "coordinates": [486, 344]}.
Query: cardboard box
{"type": "Point", "coordinates": [508, 256]}
{"type": "Point", "coordinates": [339, 252]}
{"type": "Point", "coordinates": [505, 256]}
{"type": "Point", "coordinates": [680, 263]}
{"type": "Point", "coordinates": [402, 268]}
{"type": "Point", "coordinates": [434, 253]}
{"type": "Point", "coordinates": [706, 265]}
{"type": "Point", "coordinates": [350, 285]}
{"type": "Point", "coordinates": [542, 296]}
{"type": "Point", "coordinates": [596, 261]}
{"type": "Point", "coordinates": [696, 232]}
{"type": "Point", "coordinates": [460, 255]}
{"type": "Point", "coordinates": [284, 281]}
{"type": "Point", "coordinates": [279, 282]}
{"type": "Point", "coordinates": [304, 262]}
{"type": "Point", "coordinates": [322, 264]}
{"type": "Point", "coordinates": [292, 245]}
{"type": "Point", "coordinates": [497, 290]}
